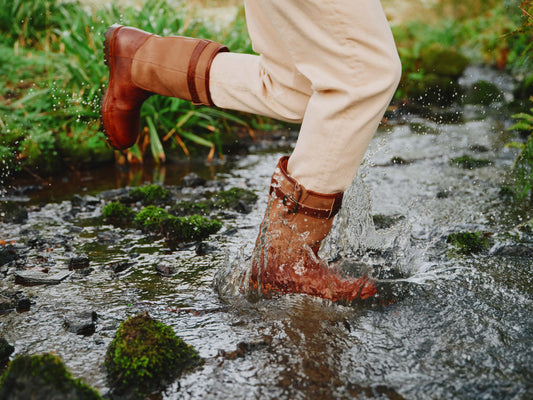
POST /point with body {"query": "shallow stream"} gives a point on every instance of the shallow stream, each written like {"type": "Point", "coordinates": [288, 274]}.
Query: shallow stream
{"type": "Point", "coordinates": [450, 326]}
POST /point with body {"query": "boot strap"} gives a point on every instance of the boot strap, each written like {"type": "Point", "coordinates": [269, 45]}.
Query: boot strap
{"type": "Point", "coordinates": [294, 206]}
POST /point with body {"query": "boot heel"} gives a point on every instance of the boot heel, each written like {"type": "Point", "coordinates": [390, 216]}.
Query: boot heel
{"type": "Point", "coordinates": [108, 36]}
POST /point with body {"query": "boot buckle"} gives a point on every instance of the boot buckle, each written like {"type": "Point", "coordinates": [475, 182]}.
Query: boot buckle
{"type": "Point", "coordinates": [294, 205]}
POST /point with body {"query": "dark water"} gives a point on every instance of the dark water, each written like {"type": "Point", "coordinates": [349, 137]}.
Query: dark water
{"type": "Point", "coordinates": [454, 327]}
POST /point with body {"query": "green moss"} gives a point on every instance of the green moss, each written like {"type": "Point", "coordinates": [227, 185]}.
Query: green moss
{"type": "Point", "coordinates": [118, 214]}
{"type": "Point", "coordinates": [469, 162]}
{"type": "Point", "coordinates": [176, 229]}
{"type": "Point", "coordinates": [42, 377]}
{"type": "Point", "coordinates": [468, 242]}
{"type": "Point", "coordinates": [183, 208]}
{"type": "Point", "coordinates": [433, 89]}
{"type": "Point", "coordinates": [191, 228]}
{"type": "Point", "coordinates": [229, 199]}
{"type": "Point", "coordinates": [149, 218]}
{"type": "Point", "coordinates": [145, 355]}
{"type": "Point", "coordinates": [150, 194]}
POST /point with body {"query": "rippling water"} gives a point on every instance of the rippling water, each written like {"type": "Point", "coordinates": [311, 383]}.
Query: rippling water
{"type": "Point", "coordinates": [450, 328]}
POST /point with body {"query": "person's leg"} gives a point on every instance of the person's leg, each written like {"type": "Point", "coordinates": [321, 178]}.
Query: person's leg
{"type": "Point", "coordinates": [346, 51]}
{"type": "Point", "coordinates": [267, 84]}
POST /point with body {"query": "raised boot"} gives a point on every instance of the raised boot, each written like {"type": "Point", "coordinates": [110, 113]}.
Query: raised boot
{"type": "Point", "coordinates": [142, 64]}
{"type": "Point", "coordinates": [285, 257]}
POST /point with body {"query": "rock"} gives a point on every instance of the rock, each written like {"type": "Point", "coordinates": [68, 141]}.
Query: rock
{"type": "Point", "coordinates": [12, 212]}
{"type": "Point", "coordinates": [165, 270]}
{"type": "Point", "coordinates": [8, 254]}
{"type": "Point", "coordinates": [204, 248]}
{"type": "Point", "coordinates": [119, 266]}
{"type": "Point", "coordinates": [192, 180]}
{"type": "Point", "coordinates": [5, 351]}
{"type": "Point", "coordinates": [43, 377]}
{"type": "Point", "coordinates": [483, 93]}
{"type": "Point", "coordinates": [30, 277]}
{"type": "Point", "coordinates": [84, 201]}
{"type": "Point", "coordinates": [79, 262]}
{"type": "Point", "coordinates": [145, 355]}
{"type": "Point", "coordinates": [82, 323]}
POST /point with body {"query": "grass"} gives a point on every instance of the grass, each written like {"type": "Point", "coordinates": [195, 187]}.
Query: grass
{"type": "Point", "coordinates": [53, 76]}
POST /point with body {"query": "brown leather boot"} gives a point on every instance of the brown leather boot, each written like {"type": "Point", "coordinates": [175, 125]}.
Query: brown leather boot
{"type": "Point", "coordinates": [285, 256]}
{"type": "Point", "coordinates": [142, 64]}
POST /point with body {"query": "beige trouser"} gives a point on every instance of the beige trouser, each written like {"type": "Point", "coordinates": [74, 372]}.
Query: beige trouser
{"type": "Point", "coordinates": [330, 64]}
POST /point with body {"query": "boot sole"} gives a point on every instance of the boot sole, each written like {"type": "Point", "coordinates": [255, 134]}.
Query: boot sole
{"type": "Point", "coordinates": [108, 50]}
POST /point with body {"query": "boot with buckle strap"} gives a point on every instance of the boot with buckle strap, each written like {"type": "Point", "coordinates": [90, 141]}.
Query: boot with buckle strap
{"type": "Point", "coordinates": [285, 257]}
{"type": "Point", "coordinates": [142, 64]}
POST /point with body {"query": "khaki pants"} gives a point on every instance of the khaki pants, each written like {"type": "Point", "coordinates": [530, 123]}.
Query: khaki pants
{"type": "Point", "coordinates": [330, 64]}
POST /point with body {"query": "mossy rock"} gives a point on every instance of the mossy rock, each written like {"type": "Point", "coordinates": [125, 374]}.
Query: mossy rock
{"type": "Point", "coordinates": [149, 194]}
{"type": "Point", "coordinates": [149, 218]}
{"type": "Point", "coordinates": [183, 208]}
{"type": "Point", "coordinates": [469, 162]}
{"type": "Point", "coordinates": [5, 351]}
{"type": "Point", "coordinates": [468, 242]}
{"type": "Point", "coordinates": [443, 61]}
{"type": "Point", "coordinates": [483, 93]}
{"type": "Point", "coordinates": [190, 228]}
{"type": "Point", "coordinates": [43, 377]}
{"type": "Point", "coordinates": [145, 355]}
{"type": "Point", "coordinates": [118, 214]}
{"type": "Point", "coordinates": [432, 89]}
{"type": "Point", "coordinates": [229, 199]}
{"type": "Point", "coordinates": [156, 220]}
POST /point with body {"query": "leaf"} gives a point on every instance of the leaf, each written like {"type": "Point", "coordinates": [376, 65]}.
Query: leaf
{"type": "Point", "coordinates": [155, 143]}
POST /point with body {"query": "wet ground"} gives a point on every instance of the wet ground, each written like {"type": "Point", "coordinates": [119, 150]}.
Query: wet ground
{"type": "Point", "coordinates": [452, 326]}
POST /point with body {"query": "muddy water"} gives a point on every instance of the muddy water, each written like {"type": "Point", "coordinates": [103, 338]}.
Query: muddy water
{"type": "Point", "coordinates": [450, 328]}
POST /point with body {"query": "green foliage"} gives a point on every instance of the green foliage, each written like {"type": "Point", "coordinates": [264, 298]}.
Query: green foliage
{"type": "Point", "coordinates": [42, 377]}
{"type": "Point", "coordinates": [52, 77]}
{"type": "Point", "coordinates": [145, 355]}
{"type": "Point", "coordinates": [149, 194]}
{"type": "Point", "coordinates": [523, 165]}
{"type": "Point", "coordinates": [468, 242]}
{"type": "Point", "coordinates": [118, 214]}
{"type": "Point", "coordinates": [469, 162]}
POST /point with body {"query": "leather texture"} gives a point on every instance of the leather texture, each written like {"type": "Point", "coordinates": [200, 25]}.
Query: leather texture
{"type": "Point", "coordinates": [142, 64]}
{"type": "Point", "coordinates": [285, 257]}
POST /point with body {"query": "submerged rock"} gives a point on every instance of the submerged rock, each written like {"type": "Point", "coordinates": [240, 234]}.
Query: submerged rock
{"type": "Point", "coordinates": [469, 162]}
{"type": "Point", "coordinates": [82, 323]}
{"type": "Point", "coordinates": [5, 351]}
{"type": "Point", "coordinates": [192, 180]}
{"type": "Point", "coordinates": [146, 355]}
{"type": "Point", "coordinates": [8, 254]}
{"type": "Point", "coordinates": [43, 377]}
